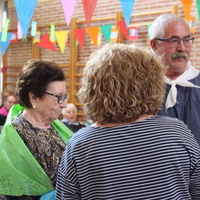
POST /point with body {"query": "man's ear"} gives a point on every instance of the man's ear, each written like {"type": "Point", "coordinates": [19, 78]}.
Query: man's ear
{"type": "Point", "coordinates": [154, 44]}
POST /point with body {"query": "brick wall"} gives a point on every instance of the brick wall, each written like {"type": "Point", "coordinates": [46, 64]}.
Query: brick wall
{"type": "Point", "coordinates": [51, 12]}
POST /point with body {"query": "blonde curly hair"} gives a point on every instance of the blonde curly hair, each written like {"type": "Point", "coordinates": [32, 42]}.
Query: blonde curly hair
{"type": "Point", "coordinates": [121, 82]}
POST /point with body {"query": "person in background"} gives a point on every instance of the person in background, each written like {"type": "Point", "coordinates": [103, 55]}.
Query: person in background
{"type": "Point", "coordinates": [8, 102]}
{"type": "Point", "coordinates": [4, 96]}
{"type": "Point", "coordinates": [33, 139]}
{"type": "Point", "coordinates": [69, 115]}
{"type": "Point", "coordinates": [172, 40]}
{"type": "Point", "coordinates": [129, 152]}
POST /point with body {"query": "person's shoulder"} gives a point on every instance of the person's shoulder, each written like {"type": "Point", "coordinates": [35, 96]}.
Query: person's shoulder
{"type": "Point", "coordinates": [2, 119]}
{"type": "Point", "coordinates": [196, 80]}
{"type": "Point", "coordinates": [81, 124]}
{"type": "Point", "coordinates": [2, 108]}
{"type": "Point", "coordinates": [175, 127]}
{"type": "Point", "coordinates": [18, 120]}
{"type": "Point", "coordinates": [3, 111]}
{"type": "Point", "coordinates": [169, 121]}
{"type": "Point", "coordinates": [82, 134]}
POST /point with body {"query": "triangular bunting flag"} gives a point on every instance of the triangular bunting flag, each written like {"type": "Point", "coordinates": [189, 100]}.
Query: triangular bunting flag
{"type": "Point", "coordinates": [37, 37]}
{"type": "Point", "coordinates": [13, 38]}
{"type": "Point", "coordinates": [123, 28]}
{"type": "Point", "coordinates": [46, 43]}
{"type": "Point", "coordinates": [133, 33]}
{"type": "Point", "coordinates": [99, 37]}
{"type": "Point", "coordinates": [192, 24]}
{"type": "Point", "coordinates": [52, 33]}
{"type": "Point", "coordinates": [187, 8]}
{"type": "Point", "coordinates": [88, 7]}
{"type": "Point", "coordinates": [198, 7]}
{"type": "Point", "coordinates": [3, 69]}
{"type": "Point", "coordinates": [114, 35]}
{"type": "Point", "coordinates": [61, 37]}
{"type": "Point", "coordinates": [25, 12]}
{"type": "Point", "coordinates": [33, 28]}
{"type": "Point", "coordinates": [93, 32]}
{"type": "Point", "coordinates": [19, 31]}
{"type": "Point", "coordinates": [106, 31]}
{"type": "Point", "coordinates": [80, 36]}
{"type": "Point", "coordinates": [5, 30]}
{"type": "Point", "coordinates": [149, 27]}
{"type": "Point", "coordinates": [68, 8]}
{"type": "Point", "coordinates": [127, 8]}
{"type": "Point", "coordinates": [4, 45]}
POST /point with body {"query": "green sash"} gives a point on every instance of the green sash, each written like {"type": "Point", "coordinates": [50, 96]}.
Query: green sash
{"type": "Point", "coordinates": [20, 173]}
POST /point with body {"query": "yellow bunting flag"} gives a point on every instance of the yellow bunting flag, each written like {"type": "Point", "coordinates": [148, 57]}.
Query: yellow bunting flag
{"type": "Point", "coordinates": [37, 37]}
{"type": "Point", "coordinates": [61, 37]}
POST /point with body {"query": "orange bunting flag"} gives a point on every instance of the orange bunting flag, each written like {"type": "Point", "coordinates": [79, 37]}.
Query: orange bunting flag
{"type": "Point", "coordinates": [80, 36]}
{"type": "Point", "coordinates": [46, 43]}
{"type": "Point", "coordinates": [88, 7]}
{"type": "Point", "coordinates": [187, 8]}
{"type": "Point", "coordinates": [123, 28]}
{"type": "Point", "coordinates": [93, 32]}
{"type": "Point", "coordinates": [61, 37]}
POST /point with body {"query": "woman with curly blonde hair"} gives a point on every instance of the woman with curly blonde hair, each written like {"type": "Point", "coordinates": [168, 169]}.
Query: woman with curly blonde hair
{"type": "Point", "coordinates": [129, 152]}
{"type": "Point", "coordinates": [121, 83]}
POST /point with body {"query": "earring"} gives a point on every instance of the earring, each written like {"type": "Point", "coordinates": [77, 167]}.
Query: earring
{"type": "Point", "coordinates": [34, 106]}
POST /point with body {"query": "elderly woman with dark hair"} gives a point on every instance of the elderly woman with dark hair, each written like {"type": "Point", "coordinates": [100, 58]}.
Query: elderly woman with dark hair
{"type": "Point", "coordinates": [33, 139]}
{"type": "Point", "coordinates": [129, 152]}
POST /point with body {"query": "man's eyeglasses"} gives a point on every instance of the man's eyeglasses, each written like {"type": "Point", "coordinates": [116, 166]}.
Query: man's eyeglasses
{"type": "Point", "coordinates": [61, 98]}
{"type": "Point", "coordinates": [175, 41]}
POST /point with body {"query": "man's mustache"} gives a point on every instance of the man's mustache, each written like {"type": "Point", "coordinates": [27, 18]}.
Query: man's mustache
{"type": "Point", "coordinates": [179, 54]}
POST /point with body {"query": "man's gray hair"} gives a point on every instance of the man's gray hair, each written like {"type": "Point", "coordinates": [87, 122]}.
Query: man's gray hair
{"type": "Point", "coordinates": [157, 29]}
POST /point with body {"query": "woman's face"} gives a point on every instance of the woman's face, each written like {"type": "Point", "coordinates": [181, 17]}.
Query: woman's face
{"type": "Point", "coordinates": [70, 114]}
{"type": "Point", "coordinates": [48, 105]}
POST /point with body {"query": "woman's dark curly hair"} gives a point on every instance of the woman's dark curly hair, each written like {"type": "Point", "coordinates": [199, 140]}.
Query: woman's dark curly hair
{"type": "Point", "coordinates": [122, 82]}
{"type": "Point", "coordinates": [35, 77]}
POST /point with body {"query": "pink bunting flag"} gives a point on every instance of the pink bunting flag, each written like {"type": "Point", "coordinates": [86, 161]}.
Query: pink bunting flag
{"type": "Point", "coordinates": [89, 6]}
{"type": "Point", "coordinates": [19, 31]}
{"type": "Point", "coordinates": [80, 35]}
{"type": "Point", "coordinates": [68, 8]}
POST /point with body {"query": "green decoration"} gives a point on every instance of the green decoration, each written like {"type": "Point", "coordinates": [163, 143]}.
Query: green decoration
{"type": "Point", "coordinates": [20, 173]}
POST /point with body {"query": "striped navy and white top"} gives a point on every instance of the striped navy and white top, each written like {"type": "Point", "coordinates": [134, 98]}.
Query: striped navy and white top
{"type": "Point", "coordinates": [154, 159]}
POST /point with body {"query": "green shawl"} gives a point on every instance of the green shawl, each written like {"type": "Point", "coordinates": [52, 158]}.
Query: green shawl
{"type": "Point", "coordinates": [20, 173]}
